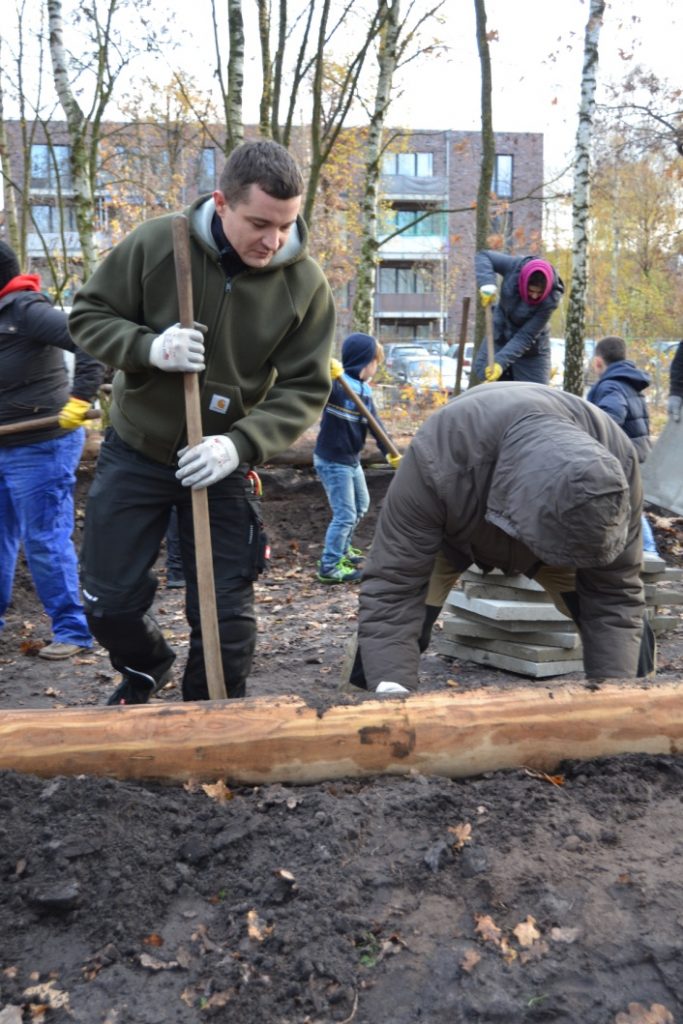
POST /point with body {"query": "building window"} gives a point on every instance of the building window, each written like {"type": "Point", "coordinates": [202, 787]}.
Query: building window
{"type": "Point", "coordinates": [412, 165]}
{"type": "Point", "coordinates": [501, 227]}
{"type": "Point", "coordinates": [501, 183]}
{"type": "Point", "coordinates": [431, 224]}
{"type": "Point", "coordinates": [207, 170]}
{"type": "Point", "coordinates": [47, 220]}
{"type": "Point", "coordinates": [50, 168]}
{"type": "Point", "coordinates": [405, 281]}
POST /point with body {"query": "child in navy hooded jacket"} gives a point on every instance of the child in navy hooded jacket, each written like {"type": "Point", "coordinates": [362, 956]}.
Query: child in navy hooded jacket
{"type": "Point", "coordinates": [336, 457]}
{"type": "Point", "coordinates": [619, 392]}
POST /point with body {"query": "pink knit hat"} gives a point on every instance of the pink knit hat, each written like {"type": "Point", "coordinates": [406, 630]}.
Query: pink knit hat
{"type": "Point", "coordinates": [535, 267]}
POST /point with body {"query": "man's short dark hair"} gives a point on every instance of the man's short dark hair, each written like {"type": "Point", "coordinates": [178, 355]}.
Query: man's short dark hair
{"type": "Point", "coordinates": [611, 349]}
{"type": "Point", "coordinates": [264, 163]}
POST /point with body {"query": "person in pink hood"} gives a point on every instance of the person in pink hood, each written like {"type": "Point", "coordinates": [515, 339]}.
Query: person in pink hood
{"type": "Point", "coordinates": [529, 292]}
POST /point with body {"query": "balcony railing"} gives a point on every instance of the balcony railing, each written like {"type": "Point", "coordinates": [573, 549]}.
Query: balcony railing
{"type": "Point", "coordinates": [398, 303]}
{"type": "Point", "coordinates": [414, 247]}
{"type": "Point", "coordinates": [401, 186]}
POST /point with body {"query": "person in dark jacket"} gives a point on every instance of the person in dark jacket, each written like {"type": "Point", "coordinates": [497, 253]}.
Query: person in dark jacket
{"type": "Point", "coordinates": [336, 457]}
{"type": "Point", "coordinates": [263, 377]}
{"type": "Point", "coordinates": [618, 391]}
{"type": "Point", "coordinates": [676, 385]}
{"type": "Point", "coordinates": [530, 291]}
{"type": "Point", "coordinates": [38, 466]}
{"type": "Point", "coordinates": [523, 478]}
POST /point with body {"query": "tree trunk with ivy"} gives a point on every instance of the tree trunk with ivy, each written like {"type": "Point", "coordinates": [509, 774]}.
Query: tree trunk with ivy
{"type": "Point", "coordinates": [387, 58]}
{"type": "Point", "coordinates": [576, 308]}
{"type": "Point", "coordinates": [488, 154]}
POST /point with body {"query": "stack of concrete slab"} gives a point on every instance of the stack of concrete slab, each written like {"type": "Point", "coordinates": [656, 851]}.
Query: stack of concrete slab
{"type": "Point", "coordinates": [509, 622]}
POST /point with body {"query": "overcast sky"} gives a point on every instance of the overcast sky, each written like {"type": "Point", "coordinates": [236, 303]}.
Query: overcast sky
{"type": "Point", "coordinates": [536, 63]}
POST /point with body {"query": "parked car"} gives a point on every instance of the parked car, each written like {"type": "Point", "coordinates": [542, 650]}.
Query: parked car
{"type": "Point", "coordinates": [400, 350]}
{"type": "Point", "coordinates": [428, 373]}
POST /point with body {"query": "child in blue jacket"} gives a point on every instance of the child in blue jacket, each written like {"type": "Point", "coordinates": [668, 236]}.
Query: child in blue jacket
{"type": "Point", "coordinates": [336, 457]}
{"type": "Point", "coordinates": [619, 392]}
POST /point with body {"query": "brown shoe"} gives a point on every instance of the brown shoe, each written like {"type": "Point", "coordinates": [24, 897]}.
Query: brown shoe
{"type": "Point", "coordinates": [57, 651]}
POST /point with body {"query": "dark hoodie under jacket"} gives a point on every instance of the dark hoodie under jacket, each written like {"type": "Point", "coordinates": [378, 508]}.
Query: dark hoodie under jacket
{"type": "Point", "coordinates": [618, 392]}
{"type": "Point", "coordinates": [510, 476]}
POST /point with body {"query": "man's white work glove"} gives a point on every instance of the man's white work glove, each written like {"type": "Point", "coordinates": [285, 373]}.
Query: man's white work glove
{"type": "Point", "coordinates": [387, 687]}
{"type": "Point", "coordinates": [673, 407]}
{"type": "Point", "coordinates": [178, 349]}
{"type": "Point", "coordinates": [487, 294]}
{"type": "Point", "coordinates": [205, 463]}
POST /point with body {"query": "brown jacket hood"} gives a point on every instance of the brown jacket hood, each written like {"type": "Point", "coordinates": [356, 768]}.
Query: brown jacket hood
{"type": "Point", "coordinates": [561, 493]}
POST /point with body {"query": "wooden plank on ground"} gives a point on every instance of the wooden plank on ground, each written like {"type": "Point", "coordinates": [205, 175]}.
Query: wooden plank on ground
{"type": "Point", "coordinates": [265, 740]}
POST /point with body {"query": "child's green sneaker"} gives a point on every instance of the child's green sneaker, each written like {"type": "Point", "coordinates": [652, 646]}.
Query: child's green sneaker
{"type": "Point", "coordinates": [342, 572]}
{"type": "Point", "coordinates": [354, 556]}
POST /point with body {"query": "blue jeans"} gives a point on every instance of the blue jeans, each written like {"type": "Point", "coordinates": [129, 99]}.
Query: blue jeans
{"type": "Point", "coordinates": [37, 511]}
{"type": "Point", "coordinates": [348, 497]}
{"type": "Point", "coordinates": [649, 543]}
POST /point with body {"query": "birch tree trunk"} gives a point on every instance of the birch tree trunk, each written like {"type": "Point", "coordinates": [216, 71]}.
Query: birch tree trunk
{"type": "Point", "coordinates": [82, 173]}
{"type": "Point", "coordinates": [387, 58]}
{"type": "Point", "coordinates": [488, 154]}
{"type": "Point", "coordinates": [266, 104]}
{"type": "Point", "coordinates": [576, 309]}
{"type": "Point", "coordinates": [235, 128]}
{"type": "Point", "coordinates": [8, 192]}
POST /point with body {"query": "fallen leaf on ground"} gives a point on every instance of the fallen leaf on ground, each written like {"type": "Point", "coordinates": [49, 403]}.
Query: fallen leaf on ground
{"type": "Point", "coordinates": [639, 1014]}
{"type": "Point", "coordinates": [256, 928]}
{"type": "Point", "coordinates": [152, 964]}
{"type": "Point", "coordinates": [218, 791]}
{"type": "Point", "coordinates": [564, 934]}
{"type": "Point", "coordinates": [470, 960]}
{"type": "Point", "coordinates": [51, 998]}
{"type": "Point", "coordinates": [526, 932]}
{"type": "Point", "coordinates": [487, 928]}
{"type": "Point", "coordinates": [452, 682]}
{"type": "Point", "coordinates": [11, 1015]}
{"type": "Point", "coordinates": [462, 833]}
{"type": "Point", "coordinates": [153, 940]}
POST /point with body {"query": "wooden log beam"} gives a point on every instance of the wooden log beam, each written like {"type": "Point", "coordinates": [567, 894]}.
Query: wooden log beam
{"type": "Point", "coordinates": [261, 740]}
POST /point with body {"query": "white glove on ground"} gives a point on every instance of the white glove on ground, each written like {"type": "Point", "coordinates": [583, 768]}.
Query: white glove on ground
{"type": "Point", "coordinates": [387, 687]}
{"type": "Point", "coordinates": [178, 349]}
{"type": "Point", "coordinates": [205, 463]}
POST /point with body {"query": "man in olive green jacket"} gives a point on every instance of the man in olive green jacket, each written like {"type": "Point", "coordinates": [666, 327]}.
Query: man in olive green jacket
{"type": "Point", "coordinates": [261, 346]}
{"type": "Point", "coordinates": [523, 478]}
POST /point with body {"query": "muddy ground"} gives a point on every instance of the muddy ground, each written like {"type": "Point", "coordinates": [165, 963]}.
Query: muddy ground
{"type": "Point", "coordinates": [506, 898]}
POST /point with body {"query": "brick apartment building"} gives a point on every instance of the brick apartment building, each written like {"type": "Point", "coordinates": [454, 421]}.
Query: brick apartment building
{"type": "Point", "coordinates": [428, 188]}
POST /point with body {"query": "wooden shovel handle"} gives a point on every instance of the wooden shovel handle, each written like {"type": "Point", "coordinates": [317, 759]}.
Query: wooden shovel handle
{"type": "Point", "coordinates": [208, 615]}
{"type": "Point", "coordinates": [375, 427]}
{"type": "Point", "coordinates": [490, 348]}
{"type": "Point", "coordinates": [42, 423]}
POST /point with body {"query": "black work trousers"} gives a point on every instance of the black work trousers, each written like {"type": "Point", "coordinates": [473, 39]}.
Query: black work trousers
{"type": "Point", "coordinates": [126, 518]}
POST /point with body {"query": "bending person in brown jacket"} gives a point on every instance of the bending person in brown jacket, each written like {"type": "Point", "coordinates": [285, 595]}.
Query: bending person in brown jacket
{"type": "Point", "coordinates": [523, 478]}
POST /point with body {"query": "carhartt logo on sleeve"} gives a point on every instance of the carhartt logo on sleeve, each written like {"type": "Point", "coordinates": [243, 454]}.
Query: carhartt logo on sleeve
{"type": "Point", "coordinates": [219, 403]}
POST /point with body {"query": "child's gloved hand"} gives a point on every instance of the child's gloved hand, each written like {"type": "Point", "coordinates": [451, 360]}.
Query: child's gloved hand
{"type": "Point", "coordinates": [336, 369]}
{"type": "Point", "coordinates": [393, 460]}
{"type": "Point", "coordinates": [493, 372]}
{"type": "Point", "coordinates": [488, 294]}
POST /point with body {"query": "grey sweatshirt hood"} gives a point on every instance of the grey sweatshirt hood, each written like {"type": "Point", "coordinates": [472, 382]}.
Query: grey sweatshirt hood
{"type": "Point", "coordinates": [572, 510]}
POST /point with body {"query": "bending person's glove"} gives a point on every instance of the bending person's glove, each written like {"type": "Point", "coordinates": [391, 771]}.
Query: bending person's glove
{"type": "Point", "coordinates": [73, 414]}
{"type": "Point", "coordinates": [178, 349]}
{"type": "Point", "coordinates": [393, 460]}
{"type": "Point", "coordinates": [488, 294]}
{"type": "Point", "coordinates": [336, 369]}
{"type": "Point", "coordinates": [494, 372]}
{"type": "Point", "coordinates": [673, 408]}
{"type": "Point", "coordinates": [207, 462]}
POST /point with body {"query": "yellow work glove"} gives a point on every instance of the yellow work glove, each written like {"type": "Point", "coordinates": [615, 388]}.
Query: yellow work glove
{"type": "Point", "coordinates": [393, 460]}
{"type": "Point", "coordinates": [336, 369]}
{"type": "Point", "coordinates": [73, 414]}
{"type": "Point", "coordinates": [493, 372]}
{"type": "Point", "coordinates": [488, 294]}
